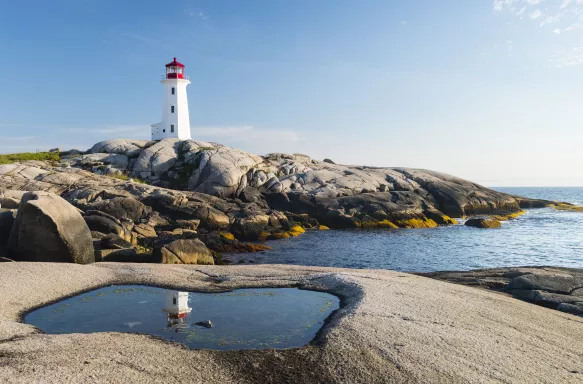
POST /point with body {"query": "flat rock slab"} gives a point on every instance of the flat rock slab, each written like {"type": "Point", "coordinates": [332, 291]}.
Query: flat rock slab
{"type": "Point", "coordinates": [547, 286]}
{"type": "Point", "coordinates": [392, 327]}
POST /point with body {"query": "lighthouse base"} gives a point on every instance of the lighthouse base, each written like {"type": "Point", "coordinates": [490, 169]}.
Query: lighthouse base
{"type": "Point", "coordinates": [159, 132]}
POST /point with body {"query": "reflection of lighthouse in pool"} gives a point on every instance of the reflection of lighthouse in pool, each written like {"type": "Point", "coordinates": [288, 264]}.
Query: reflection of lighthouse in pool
{"type": "Point", "coordinates": [177, 308]}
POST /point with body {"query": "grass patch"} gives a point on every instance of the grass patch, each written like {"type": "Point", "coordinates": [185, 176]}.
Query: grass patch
{"type": "Point", "coordinates": [20, 157]}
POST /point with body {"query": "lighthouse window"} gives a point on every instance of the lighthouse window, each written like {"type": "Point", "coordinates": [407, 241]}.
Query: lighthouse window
{"type": "Point", "coordinates": [172, 109]}
{"type": "Point", "coordinates": [173, 90]}
{"type": "Point", "coordinates": [174, 300]}
{"type": "Point", "coordinates": [172, 128]}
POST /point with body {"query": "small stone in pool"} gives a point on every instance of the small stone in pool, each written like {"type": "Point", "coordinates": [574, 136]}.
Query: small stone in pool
{"type": "Point", "coordinates": [206, 324]}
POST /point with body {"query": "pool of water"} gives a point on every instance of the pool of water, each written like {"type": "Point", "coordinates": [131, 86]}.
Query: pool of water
{"type": "Point", "coordinates": [241, 319]}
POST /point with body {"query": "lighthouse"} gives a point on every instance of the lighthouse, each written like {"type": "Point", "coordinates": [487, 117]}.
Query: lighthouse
{"type": "Point", "coordinates": [175, 118]}
{"type": "Point", "coordinates": [176, 306]}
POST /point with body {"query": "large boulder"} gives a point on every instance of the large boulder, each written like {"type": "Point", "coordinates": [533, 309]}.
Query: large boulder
{"type": "Point", "coordinates": [123, 208]}
{"type": "Point", "coordinates": [221, 171]}
{"type": "Point", "coordinates": [184, 251]}
{"type": "Point", "coordinates": [249, 226]}
{"type": "Point", "coordinates": [48, 228]}
{"type": "Point", "coordinates": [157, 159]}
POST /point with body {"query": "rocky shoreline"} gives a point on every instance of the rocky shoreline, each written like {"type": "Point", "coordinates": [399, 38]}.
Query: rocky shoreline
{"type": "Point", "coordinates": [169, 202]}
{"type": "Point", "coordinates": [224, 199]}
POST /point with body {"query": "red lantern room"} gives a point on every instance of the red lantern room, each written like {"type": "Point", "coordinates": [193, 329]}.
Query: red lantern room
{"type": "Point", "coordinates": [175, 70]}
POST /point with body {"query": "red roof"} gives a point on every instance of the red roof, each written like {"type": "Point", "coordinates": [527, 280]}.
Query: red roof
{"type": "Point", "coordinates": [175, 63]}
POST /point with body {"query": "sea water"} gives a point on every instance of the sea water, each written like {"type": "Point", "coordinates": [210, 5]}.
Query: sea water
{"type": "Point", "coordinates": [541, 237]}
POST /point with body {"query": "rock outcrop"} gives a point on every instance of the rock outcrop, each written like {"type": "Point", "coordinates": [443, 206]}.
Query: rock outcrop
{"type": "Point", "coordinates": [191, 251]}
{"type": "Point", "coordinates": [338, 195]}
{"type": "Point", "coordinates": [48, 228]}
{"type": "Point", "coordinates": [483, 222]}
{"type": "Point", "coordinates": [201, 190]}
{"type": "Point", "coordinates": [552, 287]}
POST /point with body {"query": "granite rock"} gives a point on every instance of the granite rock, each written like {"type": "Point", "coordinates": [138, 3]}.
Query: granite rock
{"type": "Point", "coordinates": [48, 228]}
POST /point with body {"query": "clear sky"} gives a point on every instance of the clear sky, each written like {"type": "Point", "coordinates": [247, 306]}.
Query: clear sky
{"type": "Point", "coordinates": [486, 90]}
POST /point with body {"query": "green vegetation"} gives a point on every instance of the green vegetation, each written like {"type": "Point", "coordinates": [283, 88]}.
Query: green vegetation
{"type": "Point", "coordinates": [20, 157]}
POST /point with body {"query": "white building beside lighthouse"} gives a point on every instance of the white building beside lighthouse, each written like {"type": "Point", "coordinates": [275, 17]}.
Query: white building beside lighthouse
{"type": "Point", "coordinates": [175, 118]}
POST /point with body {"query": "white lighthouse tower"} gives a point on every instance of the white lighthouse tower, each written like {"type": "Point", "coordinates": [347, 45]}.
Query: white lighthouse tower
{"type": "Point", "coordinates": [175, 118]}
{"type": "Point", "coordinates": [176, 306]}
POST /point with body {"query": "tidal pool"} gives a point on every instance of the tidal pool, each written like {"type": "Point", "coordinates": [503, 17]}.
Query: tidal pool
{"type": "Point", "coordinates": [241, 319]}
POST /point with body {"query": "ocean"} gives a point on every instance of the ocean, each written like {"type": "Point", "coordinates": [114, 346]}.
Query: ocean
{"type": "Point", "coordinates": [541, 237]}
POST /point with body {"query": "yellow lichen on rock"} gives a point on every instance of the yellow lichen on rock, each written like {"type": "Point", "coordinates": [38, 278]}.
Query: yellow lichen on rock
{"type": "Point", "coordinates": [279, 236]}
{"type": "Point", "coordinates": [449, 220]}
{"type": "Point", "coordinates": [296, 230]}
{"type": "Point", "coordinates": [263, 236]}
{"type": "Point", "coordinates": [567, 207]}
{"type": "Point", "coordinates": [323, 228]}
{"type": "Point", "coordinates": [386, 224]}
{"type": "Point", "coordinates": [375, 224]}
{"type": "Point", "coordinates": [510, 216]}
{"type": "Point", "coordinates": [483, 223]}
{"type": "Point", "coordinates": [417, 223]}
{"type": "Point", "coordinates": [227, 236]}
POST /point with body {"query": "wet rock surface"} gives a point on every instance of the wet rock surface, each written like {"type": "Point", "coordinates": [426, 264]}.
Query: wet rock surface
{"type": "Point", "coordinates": [552, 287]}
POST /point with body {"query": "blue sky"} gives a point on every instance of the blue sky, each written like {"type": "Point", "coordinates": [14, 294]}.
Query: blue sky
{"type": "Point", "coordinates": [486, 90]}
